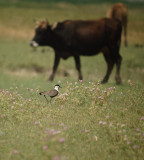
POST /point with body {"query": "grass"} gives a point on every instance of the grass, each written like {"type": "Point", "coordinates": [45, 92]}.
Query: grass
{"type": "Point", "coordinates": [86, 120]}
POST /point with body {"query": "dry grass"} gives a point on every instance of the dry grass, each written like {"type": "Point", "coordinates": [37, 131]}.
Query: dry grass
{"type": "Point", "coordinates": [21, 33]}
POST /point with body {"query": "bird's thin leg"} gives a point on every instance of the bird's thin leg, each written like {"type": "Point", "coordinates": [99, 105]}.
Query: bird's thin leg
{"type": "Point", "coordinates": [46, 98]}
{"type": "Point", "coordinates": [50, 100]}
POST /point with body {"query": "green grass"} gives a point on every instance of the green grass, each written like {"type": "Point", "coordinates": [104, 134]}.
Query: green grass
{"type": "Point", "coordinates": [87, 120]}
{"type": "Point", "coordinates": [91, 120]}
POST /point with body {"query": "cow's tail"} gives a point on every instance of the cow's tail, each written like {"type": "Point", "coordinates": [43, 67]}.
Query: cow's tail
{"type": "Point", "coordinates": [122, 15]}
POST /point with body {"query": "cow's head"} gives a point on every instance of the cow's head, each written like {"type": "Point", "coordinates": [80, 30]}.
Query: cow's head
{"type": "Point", "coordinates": [42, 33]}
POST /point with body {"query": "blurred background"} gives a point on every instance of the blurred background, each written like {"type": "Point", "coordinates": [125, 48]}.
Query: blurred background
{"type": "Point", "coordinates": [20, 65]}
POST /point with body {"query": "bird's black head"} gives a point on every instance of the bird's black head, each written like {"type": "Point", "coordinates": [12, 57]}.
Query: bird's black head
{"type": "Point", "coordinates": [58, 85]}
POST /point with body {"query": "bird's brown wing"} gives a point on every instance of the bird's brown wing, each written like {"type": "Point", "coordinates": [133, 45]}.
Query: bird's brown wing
{"type": "Point", "coordinates": [52, 93]}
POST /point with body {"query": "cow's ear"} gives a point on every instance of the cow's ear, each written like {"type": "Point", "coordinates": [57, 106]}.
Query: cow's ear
{"type": "Point", "coordinates": [54, 25]}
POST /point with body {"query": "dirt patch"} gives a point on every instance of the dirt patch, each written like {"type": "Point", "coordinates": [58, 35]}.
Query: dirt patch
{"type": "Point", "coordinates": [23, 33]}
{"type": "Point", "coordinates": [24, 72]}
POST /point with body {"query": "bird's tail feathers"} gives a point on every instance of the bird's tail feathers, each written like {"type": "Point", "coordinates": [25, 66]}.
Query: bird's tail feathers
{"type": "Point", "coordinates": [41, 93]}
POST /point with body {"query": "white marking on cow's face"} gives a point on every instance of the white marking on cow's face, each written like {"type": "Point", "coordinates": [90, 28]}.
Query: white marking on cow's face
{"type": "Point", "coordinates": [34, 44]}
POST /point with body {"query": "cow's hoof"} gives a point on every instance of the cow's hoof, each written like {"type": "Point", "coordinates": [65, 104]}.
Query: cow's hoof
{"type": "Point", "coordinates": [118, 79]}
{"type": "Point", "coordinates": [80, 77]}
{"type": "Point", "coordinates": [50, 79]}
{"type": "Point", "coordinates": [119, 82]}
{"type": "Point", "coordinates": [104, 81]}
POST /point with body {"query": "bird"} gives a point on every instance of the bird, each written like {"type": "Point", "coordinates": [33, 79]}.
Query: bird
{"type": "Point", "coordinates": [51, 93]}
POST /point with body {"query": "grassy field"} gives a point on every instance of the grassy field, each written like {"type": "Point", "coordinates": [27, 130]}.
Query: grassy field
{"type": "Point", "coordinates": [87, 121]}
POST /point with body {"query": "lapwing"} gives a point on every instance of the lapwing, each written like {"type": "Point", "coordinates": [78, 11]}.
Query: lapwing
{"type": "Point", "coordinates": [51, 93]}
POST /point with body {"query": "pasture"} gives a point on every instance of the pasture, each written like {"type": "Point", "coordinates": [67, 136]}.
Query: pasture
{"type": "Point", "coordinates": [87, 120]}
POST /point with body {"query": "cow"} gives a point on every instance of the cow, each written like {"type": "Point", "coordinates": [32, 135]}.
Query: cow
{"type": "Point", "coordinates": [82, 37]}
{"type": "Point", "coordinates": [119, 11]}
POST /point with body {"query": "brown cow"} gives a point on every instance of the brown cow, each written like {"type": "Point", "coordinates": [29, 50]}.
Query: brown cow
{"type": "Point", "coordinates": [119, 11]}
{"type": "Point", "coordinates": [82, 37]}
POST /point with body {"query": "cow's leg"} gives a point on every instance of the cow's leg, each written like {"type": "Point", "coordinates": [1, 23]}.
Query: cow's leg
{"type": "Point", "coordinates": [125, 35]}
{"type": "Point", "coordinates": [118, 65]}
{"type": "Point", "coordinates": [78, 66]}
{"type": "Point", "coordinates": [56, 63]}
{"type": "Point", "coordinates": [110, 65]}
